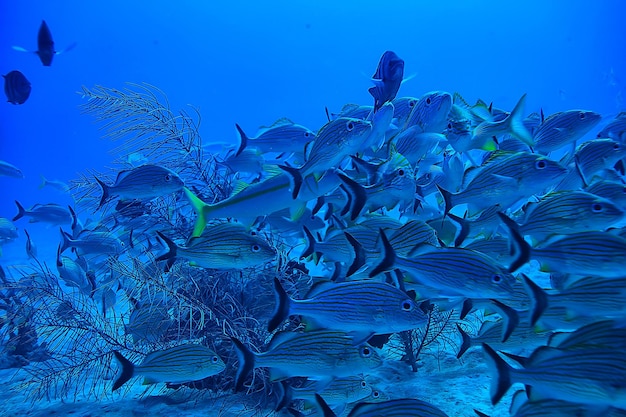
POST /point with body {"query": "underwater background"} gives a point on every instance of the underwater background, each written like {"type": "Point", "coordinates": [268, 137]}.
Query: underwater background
{"type": "Point", "coordinates": [252, 63]}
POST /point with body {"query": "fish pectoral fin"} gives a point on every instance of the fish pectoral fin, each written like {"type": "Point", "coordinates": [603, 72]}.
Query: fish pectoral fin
{"type": "Point", "coordinates": [359, 338]}
{"type": "Point", "coordinates": [278, 375]}
{"type": "Point", "coordinates": [509, 181]}
{"type": "Point", "coordinates": [148, 381]}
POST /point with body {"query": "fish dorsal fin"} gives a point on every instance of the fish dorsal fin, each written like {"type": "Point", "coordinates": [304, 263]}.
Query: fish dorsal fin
{"type": "Point", "coordinates": [281, 337]}
{"type": "Point", "coordinates": [239, 186]}
{"type": "Point", "coordinates": [272, 171]}
{"type": "Point", "coordinates": [319, 287]}
{"type": "Point", "coordinates": [283, 121]}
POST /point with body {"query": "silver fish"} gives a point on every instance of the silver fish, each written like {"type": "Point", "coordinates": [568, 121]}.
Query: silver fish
{"type": "Point", "coordinates": [430, 113]}
{"type": "Point", "coordinates": [51, 213]}
{"type": "Point", "coordinates": [317, 355]}
{"type": "Point", "coordinates": [364, 307]}
{"type": "Point", "coordinates": [284, 136]}
{"type": "Point", "coordinates": [9, 170]}
{"type": "Point", "coordinates": [596, 155]}
{"type": "Point", "coordinates": [184, 363]}
{"type": "Point", "coordinates": [226, 246]}
{"type": "Point", "coordinates": [142, 183]}
{"type": "Point", "coordinates": [512, 124]}
{"type": "Point", "coordinates": [563, 128]}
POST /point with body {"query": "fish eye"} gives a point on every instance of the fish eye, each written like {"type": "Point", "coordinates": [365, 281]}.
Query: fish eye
{"type": "Point", "coordinates": [307, 134]}
{"type": "Point", "coordinates": [428, 100]}
{"type": "Point", "coordinates": [168, 177]}
{"type": "Point", "coordinates": [449, 125]}
{"type": "Point", "coordinates": [596, 207]}
{"type": "Point", "coordinates": [375, 394]}
{"type": "Point", "coordinates": [401, 172]}
{"type": "Point", "coordinates": [581, 115]}
{"type": "Point", "coordinates": [407, 305]}
{"type": "Point", "coordinates": [350, 126]}
{"type": "Point", "coordinates": [256, 248]}
{"type": "Point", "coordinates": [540, 164]}
{"type": "Point", "coordinates": [215, 359]}
{"type": "Point", "coordinates": [363, 384]}
{"type": "Point", "coordinates": [616, 146]}
{"type": "Point", "coordinates": [496, 279]}
{"type": "Point", "coordinates": [412, 103]}
{"type": "Point", "coordinates": [366, 352]}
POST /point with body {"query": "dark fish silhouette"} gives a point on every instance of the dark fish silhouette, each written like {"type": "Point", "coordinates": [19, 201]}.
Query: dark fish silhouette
{"type": "Point", "coordinates": [16, 87]}
{"type": "Point", "coordinates": [45, 45]}
{"type": "Point", "coordinates": [387, 79]}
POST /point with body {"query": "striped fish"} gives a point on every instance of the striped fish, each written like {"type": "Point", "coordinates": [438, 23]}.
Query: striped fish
{"type": "Point", "coordinates": [594, 376]}
{"type": "Point", "coordinates": [505, 179]}
{"type": "Point", "coordinates": [588, 297]}
{"type": "Point", "coordinates": [609, 334]}
{"type": "Point", "coordinates": [512, 124]}
{"type": "Point", "coordinates": [16, 87]}
{"type": "Point", "coordinates": [176, 365]}
{"type": "Point", "coordinates": [587, 253]}
{"type": "Point", "coordinates": [430, 113]}
{"type": "Point", "coordinates": [223, 246]}
{"type": "Point", "coordinates": [92, 241]}
{"type": "Point", "coordinates": [596, 155]}
{"type": "Point", "coordinates": [611, 190]}
{"type": "Point", "coordinates": [282, 136]}
{"type": "Point", "coordinates": [336, 392]}
{"type": "Point", "coordinates": [568, 212]}
{"type": "Point", "coordinates": [317, 355]}
{"type": "Point", "coordinates": [142, 183]}
{"type": "Point", "coordinates": [615, 129]}
{"type": "Point", "coordinates": [490, 332]}
{"type": "Point", "coordinates": [402, 108]}
{"type": "Point", "coordinates": [456, 272]}
{"type": "Point", "coordinates": [563, 128]}
{"type": "Point", "coordinates": [415, 144]}
{"type": "Point", "coordinates": [364, 307]}
{"type": "Point", "coordinates": [403, 407]}
{"type": "Point", "coordinates": [335, 141]}
{"type": "Point", "coordinates": [51, 213]}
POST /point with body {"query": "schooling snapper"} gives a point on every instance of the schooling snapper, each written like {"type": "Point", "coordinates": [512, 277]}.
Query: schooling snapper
{"type": "Point", "coordinates": [319, 267]}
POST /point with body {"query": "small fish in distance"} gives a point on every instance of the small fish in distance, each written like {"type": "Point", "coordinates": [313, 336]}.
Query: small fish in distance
{"type": "Point", "coordinates": [45, 45]}
{"type": "Point", "coordinates": [16, 87]}
{"type": "Point", "coordinates": [387, 79]}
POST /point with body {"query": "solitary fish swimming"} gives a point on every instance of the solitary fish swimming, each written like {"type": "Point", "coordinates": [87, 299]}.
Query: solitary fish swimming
{"type": "Point", "coordinates": [16, 87]}
{"type": "Point", "coordinates": [387, 79]}
{"type": "Point", "coordinates": [45, 45]}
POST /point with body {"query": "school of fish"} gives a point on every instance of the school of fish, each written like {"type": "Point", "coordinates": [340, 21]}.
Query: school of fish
{"type": "Point", "coordinates": [515, 218]}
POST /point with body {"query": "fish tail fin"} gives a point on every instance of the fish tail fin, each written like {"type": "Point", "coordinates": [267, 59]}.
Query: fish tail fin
{"type": "Point", "coordinates": [171, 246]}
{"type": "Point", "coordinates": [323, 405]}
{"type": "Point", "coordinates": [283, 304]}
{"type": "Point", "coordinates": [357, 194]}
{"type": "Point", "coordinates": [538, 299]}
{"type": "Point", "coordinates": [43, 182]}
{"type": "Point", "coordinates": [523, 246]}
{"type": "Point", "coordinates": [246, 363]}
{"type": "Point", "coordinates": [20, 211]}
{"type": "Point", "coordinates": [295, 177]}
{"type": "Point", "coordinates": [447, 200]}
{"type": "Point", "coordinates": [516, 123]}
{"type": "Point", "coordinates": [389, 256]}
{"type": "Point", "coordinates": [509, 317]}
{"type": "Point", "coordinates": [465, 229]}
{"type": "Point", "coordinates": [105, 192]}
{"type": "Point", "coordinates": [285, 395]}
{"type": "Point", "coordinates": [310, 245]}
{"type": "Point", "coordinates": [465, 344]}
{"type": "Point", "coordinates": [502, 382]}
{"type": "Point", "coordinates": [201, 208]}
{"type": "Point", "coordinates": [243, 140]}
{"type": "Point", "coordinates": [128, 370]}
{"type": "Point", "coordinates": [65, 241]}
{"type": "Point", "coordinates": [359, 255]}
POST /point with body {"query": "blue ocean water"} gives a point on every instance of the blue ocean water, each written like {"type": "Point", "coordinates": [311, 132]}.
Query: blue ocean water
{"type": "Point", "coordinates": [252, 63]}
